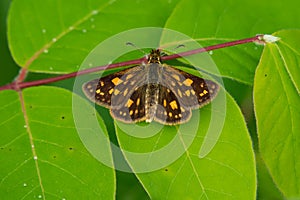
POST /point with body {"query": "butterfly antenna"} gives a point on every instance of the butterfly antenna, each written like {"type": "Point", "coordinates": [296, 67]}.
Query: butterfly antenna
{"type": "Point", "coordinates": [179, 46]}
{"type": "Point", "coordinates": [133, 45]}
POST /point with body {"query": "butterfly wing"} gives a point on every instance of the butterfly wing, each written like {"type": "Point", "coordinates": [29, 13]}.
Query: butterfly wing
{"type": "Point", "coordinates": [191, 91]}
{"type": "Point", "coordinates": [134, 108]}
{"type": "Point", "coordinates": [114, 90]}
{"type": "Point", "coordinates": [169, 109]}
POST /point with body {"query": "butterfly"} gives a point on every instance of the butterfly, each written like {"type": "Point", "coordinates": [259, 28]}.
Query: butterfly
{"type": "Point", "coordinates": [151, 91]}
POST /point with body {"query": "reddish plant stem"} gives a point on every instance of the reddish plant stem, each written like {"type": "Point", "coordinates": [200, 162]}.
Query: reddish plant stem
{"type": "Point", "coordinates": [214, 47]}
{"type": "Point", "coordinates": [22, 75]}
{"type": "Point", "coordinates": [19, 84]}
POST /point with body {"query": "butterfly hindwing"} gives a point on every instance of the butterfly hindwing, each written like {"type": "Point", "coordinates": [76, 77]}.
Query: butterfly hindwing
{"type": "Point", "coordinates": [169, 109]}
{"type": "Point", "coordinates": [134, 108]}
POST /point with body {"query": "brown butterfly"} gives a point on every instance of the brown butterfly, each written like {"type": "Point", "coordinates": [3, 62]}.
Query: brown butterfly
{"type": "Point", "coordinates": [151, 91]}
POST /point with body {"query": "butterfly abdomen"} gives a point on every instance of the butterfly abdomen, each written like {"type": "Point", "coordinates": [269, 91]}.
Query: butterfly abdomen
{"type": "Point", "coordinates": [151, 101]}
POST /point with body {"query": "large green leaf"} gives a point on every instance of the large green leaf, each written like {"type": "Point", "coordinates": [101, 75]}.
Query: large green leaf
{"type": "Point", "coordinates": [55, 36]}
{"type": "Point", "coordinates": [227, 172]}
{"type": "Point", "coordinates": [277, 100]}
{"type": "Point", "coordinates": [211, 22]}
{"type": "Point", "coordinates": [42, 156]}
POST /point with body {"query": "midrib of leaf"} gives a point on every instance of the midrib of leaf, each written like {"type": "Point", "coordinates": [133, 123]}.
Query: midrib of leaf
{"type": "Point", "coordinates": [62, 34]}
{"type": "Point", "coordinates": [294, 50]}
{"type": "Point", "coordinates": [288, 106]}
{"type": "Point", "coordinates": [173, 180]}
{"type": "Point", "coordinates": [31, 143]}
{"type": "Point", "coordinates": [192, 164]}
{"type": "Point", "coordinates": [285, 64]}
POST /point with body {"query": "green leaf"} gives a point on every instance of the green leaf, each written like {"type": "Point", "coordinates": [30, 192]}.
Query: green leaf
{"type": "Point", "coordinates": [55, 36]}
{"type": "Point", "coordinates": [43, 157]}
{"type": "Point", "coordinates": [212, 22]}
{"type": "Point", "coordinates": [276, 98]}
{"type": "Point", "coordinates": [227, 172]}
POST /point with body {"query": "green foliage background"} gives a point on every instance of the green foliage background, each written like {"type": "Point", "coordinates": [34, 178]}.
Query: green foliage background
{"type": "Point", "coordinates": [262, 89]}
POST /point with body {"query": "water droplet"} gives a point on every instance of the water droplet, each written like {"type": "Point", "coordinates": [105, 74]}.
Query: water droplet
{"type": "Point", "coordinates": [90, 64]}
{"type": "Point", "coordinates": [40, 196]}
{"type": "Point", "coordinates": [35, 157]}
{"type": "Point", "coordinates": [95, 12]}
{"type": "Point", "coordinates": [255, 48]}
{"type": "Point", "coordinates": [44, 30]}
{"type": "Point", "coordinates": [51, 68]}
{"type": "Point", "coordinates": [109, 62]}
{"type": "Point", "coordinates": [54, 40]}
{"type": "Point", "coordinates": [93, 26]}
{"type": "Point", "coordinates": [71, 28]}
{"type": "Point", "coordinates": [25, 126]}
{"type": "Point", "coordinates": [92, 19]}
{"type": "Point", "coordinates": [63, 199]}
{"type": "Point", "coordinates": [211, 52]}
{"type": "Point", "coordinates": [84, 30]}
{"type": "Point", "coordinates": [25, 184]}
{"type": "Point", "coordinates": [46, 51]}
{"type": "Point", "coordinates": [32, 146]}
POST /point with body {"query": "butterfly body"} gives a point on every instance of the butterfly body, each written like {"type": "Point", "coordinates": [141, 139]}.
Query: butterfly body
{"type": "Point", "coordinates": [151, 91]}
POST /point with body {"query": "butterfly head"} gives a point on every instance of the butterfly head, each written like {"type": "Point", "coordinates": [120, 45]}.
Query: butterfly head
{"type": "Point", "coordinates": [154, 56]}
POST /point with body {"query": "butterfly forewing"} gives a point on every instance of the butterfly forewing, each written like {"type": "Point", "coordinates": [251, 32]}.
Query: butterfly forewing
{"type": "Point", "coordinates": [113, 90]}
{"type": "Point", "coordinates": [191, 91]}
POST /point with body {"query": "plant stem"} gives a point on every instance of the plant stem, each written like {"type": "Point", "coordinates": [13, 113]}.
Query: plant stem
{"type": "Point", "coordinates": [18, 84]}
{"type": "Point", "coordinates": [257, 38]}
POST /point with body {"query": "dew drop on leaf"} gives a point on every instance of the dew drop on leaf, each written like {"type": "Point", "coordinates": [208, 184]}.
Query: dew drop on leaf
{"type": "Point", "coordinates": [95, 12]}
